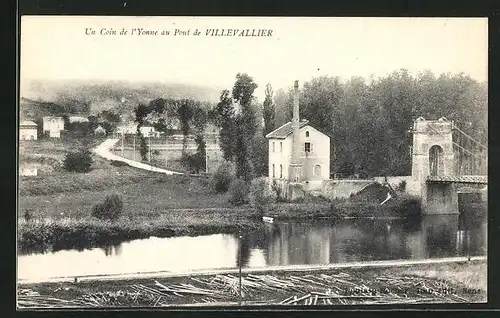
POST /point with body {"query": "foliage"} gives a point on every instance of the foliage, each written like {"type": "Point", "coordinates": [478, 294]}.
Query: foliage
{"type": "Point", "coordinates": [268, 110]}
{"type": "Point", "coordinates": [28, 215]}
{"type": "Point", "coordinates": [109, 120]}
{"type": "Point", "coordinates": [80, 161]}
{"type": "Point", "coordinates": [401, 186]}
{"type": "Point", "coordinates": [238, 126]}
{"type": "Point", "coordinates": [259, 155]}
{"type": "Point", "coordinates": [143, 147]}
{"type": "Point", "coordinates": [110, 209]}
{"type": "Point", "coordinates": [221, 180]}
{"type": "Point", "coordinates": [224, 118]}
{"type": "Point", "coordinates": [238, 192]}
{"type": "Point", "coordinates": [261, 194]}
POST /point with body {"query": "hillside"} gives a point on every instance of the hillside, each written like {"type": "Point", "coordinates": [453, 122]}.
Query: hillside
{"type": "Point", "coordinates": [89, 98]}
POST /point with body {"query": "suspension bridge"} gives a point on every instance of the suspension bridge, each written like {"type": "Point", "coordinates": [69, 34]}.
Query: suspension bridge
{"type": "Point", "coordinates": [446, 162]}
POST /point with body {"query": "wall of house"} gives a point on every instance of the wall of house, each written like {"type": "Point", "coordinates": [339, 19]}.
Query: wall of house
{"type": "Point", "coordinates": [53, 125]}
{"type": "Point", "coordinates": [28, 133]}
{"type": "Point", "coordinates": [282, 155]}
{"type": "Point", "coordinates": [320, 155]}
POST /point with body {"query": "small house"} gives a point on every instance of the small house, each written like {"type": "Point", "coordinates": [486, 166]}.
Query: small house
{"type": "Point", "coordinates": [28, 130]}
{"type": "Point", "coordinates": [299, 154]}
{"type": "Point", "coordinates": [99, 130]}
{"type": "Point", "coordinates": [52, 126]}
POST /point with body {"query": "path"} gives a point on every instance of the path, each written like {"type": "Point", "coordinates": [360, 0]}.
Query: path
{"type": "Point", "coordinates": [103, 150]}
{"type": "Point", "coordinates": [269, 269]}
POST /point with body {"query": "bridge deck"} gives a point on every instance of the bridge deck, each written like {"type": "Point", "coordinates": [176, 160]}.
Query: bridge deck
{"type": "Point", "coordinates": [457, 179]}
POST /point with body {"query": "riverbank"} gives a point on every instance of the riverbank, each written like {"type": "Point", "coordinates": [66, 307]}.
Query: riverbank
{"type": "Point", "coordinates": [79, 230]}
{"type": "Point", "coordinates": [440, 282]}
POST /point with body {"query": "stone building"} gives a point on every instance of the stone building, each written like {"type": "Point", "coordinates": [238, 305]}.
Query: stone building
{"type": "Point", "coordinates": [299, 155]}
{"type": "Point", "coordinates": [27, 130]}
{"type": "Point", "coordinates": [52, 126]}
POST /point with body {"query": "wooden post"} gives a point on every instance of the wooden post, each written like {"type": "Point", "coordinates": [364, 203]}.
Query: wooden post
{"type": "Point", "coordinates": [239, 263]}
{"type": "Point", "coordinates": [134, 147]}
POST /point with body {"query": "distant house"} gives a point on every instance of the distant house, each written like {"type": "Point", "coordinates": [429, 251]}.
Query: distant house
{"type": "Point", "coordinates": [28, 171]}
{"type": "Point", "coordinates": [78, 119]}
{"type": "Point", "coordinates": [149, 131]}
{"type": "Point", "coordinates": [28, 130]}
{"type": "Point", "coordinates": [53, 126]}
{"type": "Point", "coordinates": [99, 130]}
{"type": "Point", "coordinates": [127, 129]}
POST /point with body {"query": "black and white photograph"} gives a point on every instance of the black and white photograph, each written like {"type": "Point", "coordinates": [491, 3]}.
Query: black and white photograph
{"type": "Point", "coordinates": [292, 162]}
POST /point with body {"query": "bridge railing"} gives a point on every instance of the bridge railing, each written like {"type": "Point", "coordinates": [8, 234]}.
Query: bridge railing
{"type": "Point", "coordinates": [471, 157]}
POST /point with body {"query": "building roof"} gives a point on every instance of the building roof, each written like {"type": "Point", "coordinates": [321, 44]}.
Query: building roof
{"type": "Point", "coordinates": [285, 130]}
{"type": "Point", "coordinates": [28, 123]}
{"type": "Point", "coordinates": [78, 119]}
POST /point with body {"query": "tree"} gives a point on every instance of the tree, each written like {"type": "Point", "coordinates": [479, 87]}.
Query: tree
{"type": "Point", "coordinates": [143, 148]}
{"type": "Point", "coordinates": [246, 125]}
{"type": "Point", "coordinates": [80, 161]}
{"type": "Point", "coordinates": [268, 111]}
{"type": "Point", "coordinates": [185, 113]}
{"type": "Point", "coordinates": [224, 118]}
{"type": "Point", "coordinates": [111, 119]}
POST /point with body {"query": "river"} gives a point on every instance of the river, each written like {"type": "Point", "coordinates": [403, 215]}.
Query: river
{"type": "Point", "coordinates": [282, 243]}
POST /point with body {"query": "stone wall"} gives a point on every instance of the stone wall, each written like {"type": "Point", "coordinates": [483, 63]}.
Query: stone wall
{"type": "Point", "coordinates": [394, 182]}
{"type": "Point", "coordinates": [340, 189]}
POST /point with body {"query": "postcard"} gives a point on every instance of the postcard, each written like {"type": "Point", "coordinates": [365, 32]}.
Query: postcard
{"type": "Point", "coordinates": [289, 162]}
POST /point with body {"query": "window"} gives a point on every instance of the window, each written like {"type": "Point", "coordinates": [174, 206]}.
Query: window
{"type": "Point", "coordinates": [307, 147]}
{"type": "Point", "coordinates": [281, 171]}
{"type": "Point", "coordinates": [281, 146]}
{"type": "Point", "coordinates": [317, 170]}
{"type": "Point", "coordinates": [273, 171]}
{"type": "Point", "coordinates": [273, 146]}
{"type": "Point", "coordinates": [307, 134]}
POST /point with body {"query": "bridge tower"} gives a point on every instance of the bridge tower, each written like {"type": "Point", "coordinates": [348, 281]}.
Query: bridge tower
{"type": "Point", "coordinates": [432, 151]}
{"type": "Point", "coordinates": [433, 155]}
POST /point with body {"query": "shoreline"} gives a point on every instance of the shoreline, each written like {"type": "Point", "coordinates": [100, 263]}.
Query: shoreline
{"type": "Point", "coordinates": [259, 270]}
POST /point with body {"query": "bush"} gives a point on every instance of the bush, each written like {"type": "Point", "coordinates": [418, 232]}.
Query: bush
{"type": "Point", "coordinates": [401, 186]}
{"type": "Point", "coordinates": [80, 161]}
{"type": "Point", "coordinates": [222, 178]}
{"type": "Point", "coordinates": [238, 192]}
{"type": "Point", "coordinates": [261, 195]}
{"type": "Point", "coordinates": [110, 209]}
{"type": "Point", "coordinates": [28, 215]}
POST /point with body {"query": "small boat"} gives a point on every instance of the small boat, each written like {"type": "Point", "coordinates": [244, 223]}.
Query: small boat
{"type": "Point", "coordinates": [267, 219]}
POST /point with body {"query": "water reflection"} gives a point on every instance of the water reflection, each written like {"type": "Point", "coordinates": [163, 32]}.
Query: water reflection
{"type": "Point", "coordinates": [275, 244]}
{"type": "Point", "coordinates": [112, 250]}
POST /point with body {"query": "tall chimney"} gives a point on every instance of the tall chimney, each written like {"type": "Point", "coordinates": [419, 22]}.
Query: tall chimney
{"type": "Point", "coordinates": [295, 186]}
{"type": "Point", "coordinates": [296, 113]}
{"type": "Point", "coordinates": [295, 127]}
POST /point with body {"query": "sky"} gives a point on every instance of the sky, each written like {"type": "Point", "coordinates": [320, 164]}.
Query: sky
{"type": "Point", "coordinates": [57, 47]}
